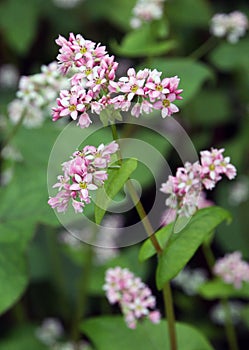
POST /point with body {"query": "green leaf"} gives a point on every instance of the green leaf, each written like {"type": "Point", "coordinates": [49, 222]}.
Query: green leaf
{"type": "Point", "coordinates": [212, 107]}
{"type": "Point", "coordinates": [227, 57]}
{"type": "Point", "coordinates": [22, 338]}
{"type": "Point", "coordinates": [19, 23]}
{"type": "Point", "coordinates": [142, 43]}
{"type": "Point", "coordinates": [182, 246]}
{"type": "Point", "coordinates": [111, 333]}
{"type": "Point", "coordinates": [13, 275]}
{"type": "Point", "coordinates": [189, 13]}
{"type": "Point", "coordinates": [147, 249]}
{"type": "Point", "coordinates": [118, 15]}
{"type": "Point", "coordinates": [116, 180]}
{"type": "Point", "coordinates": [192, 74]}
{"type": "Point", "coordinates": [16, 214]}
{"type": "Point", "coordinates": [217, 289]}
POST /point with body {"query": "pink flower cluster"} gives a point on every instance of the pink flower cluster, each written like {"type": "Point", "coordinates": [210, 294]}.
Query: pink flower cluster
{"type": "Point", "coordinates": [184, 189]}
{"type": "Point", "coordinates": [170, 214]}
{"type": "Point", "coordinates": [85, 171]}
{"type": "Point", "coordinates": [232, 269]}
{"type": "Point", "coordinates": [93, 84]}
{"type": "Point", "coordinates": [133, 296]}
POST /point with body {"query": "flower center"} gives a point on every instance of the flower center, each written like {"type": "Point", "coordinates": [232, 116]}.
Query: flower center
{"type": "Point", "coordinates": [166, 103]}
{"type": "Point", "coordinates": [134, 88]}
{"type": "Point", "coordinates": [83, 185]}
{"type": "Point", "coordinates": [98, 81]}
{"type": "Point", "coordinates": [83, 50]}
{"type": "Point", "coordinates": [88, 71]}
{"type": "Point", "coordinates": [159, 87]}
{"type": "Point", "coordinates": [72, 108]}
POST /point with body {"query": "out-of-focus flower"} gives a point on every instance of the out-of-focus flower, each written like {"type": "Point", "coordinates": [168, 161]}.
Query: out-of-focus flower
{"type": "Point", "coordinates": [50, 331]}
{"type": "Point", "coordinates": [189, 280]}
{"type": "Point", "coordinates": [232, 269]}
{"type": "Point", "coordinates": [218, 313]}
{"type": "Point", "coordinates": [185, 188]}
{"type": "Point", "coordinates": [82, 345]}
{"type": "Point", "coordinates": [232, 26]}
{"type": "Point", "coordinates": [9, 76]}
{"type": "Point", "coordinates": [32, 115]}
{"type": "Point", "coordinates": [85, 171]}
{"type": "Point", "coordinates": [105, 246]}
{"type": "Point", "coordinates": [35, 95]}
{"type": "Point", "coordinates": [67, 3]}
{"type": "Point", "coordinates": [239, 191]}
{"type": "Point", "coordinates": [146, 11]}
{"type": "Point", "coordinates": [133, 296]}
{"type": "Point", "coordinates": [6, 176]}
{"type": "Point", "coordinates": [104, 242]}
{"type": "Point", "coordinates": [11, 153]}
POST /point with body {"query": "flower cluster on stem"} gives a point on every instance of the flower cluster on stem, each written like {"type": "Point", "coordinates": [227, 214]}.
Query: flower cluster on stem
{"type": "Point", "coordinates": [85, 171]}
{"type": "Point", "coordinates": [185, 187]}
{"type": "Point", "coordinates": [232, 269]}
{"type": "Point", "coordinates": [232, 25]}
{"type": "Point", "coordinates": [94, 88]}
{"type": "Point", "coordinates": [133, 296]}
{"type": "Point", "coordinates": [146, 11]}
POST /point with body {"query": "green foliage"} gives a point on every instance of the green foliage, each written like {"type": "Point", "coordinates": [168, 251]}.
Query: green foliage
{"type": "Point", "coordinates": [192, 74]}
{"type": "Point", "coordinates": [19, 22]}
{"type": "Point", "coordinates": [163, 235]}
{"type": "Point", "coordinates": [217, 289]}
{"type": "Point", "coordinates": [189, 13]}
{"type": "Point", "coordinates": [111, 333]}
{"type": "Point", "coordinates": [108, 9]}
{"type": "Point", "coordinates": [182, 246]}
{"type": "Point", "coordinates": [115, 182]}
{"type": "Point", "coordinates": [215, 108]}
{"type": "Point", "coordinates": [142, 42]}
{"type": "Point", "coordinates": [229, 57]}
{"type": "Point", "coordinates": [22, 338]}
{"type": "Point", "coordinates": [13, 275]}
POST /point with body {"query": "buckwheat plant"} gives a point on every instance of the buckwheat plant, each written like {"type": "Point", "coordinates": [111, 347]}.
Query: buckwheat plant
{"type": "Point", "coordinates": [95, 94]}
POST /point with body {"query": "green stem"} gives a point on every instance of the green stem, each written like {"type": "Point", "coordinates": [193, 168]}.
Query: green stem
{"type": "Point", "coordinates": [229, 326]}
{"type": "Point", "coordinates": [142, 214]}
{"type": "Point", "coordinates": [115, 138]}
{"type": "Point", "coordinates": [168, 301]}
{"type": "Point", "coordinates": [57, 270]}
{"type": "Point", "coordinates": [81, 301]}
{"type": "Point", "coordinates": [169, 311]}
{"type": "Point", "coordinates": [13, 131]}
{"type": "Point", "coordinates": [204, 48]}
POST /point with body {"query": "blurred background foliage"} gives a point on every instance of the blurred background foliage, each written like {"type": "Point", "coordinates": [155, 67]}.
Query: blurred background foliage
{"type": "Point", "coordinates": [38, 275]}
